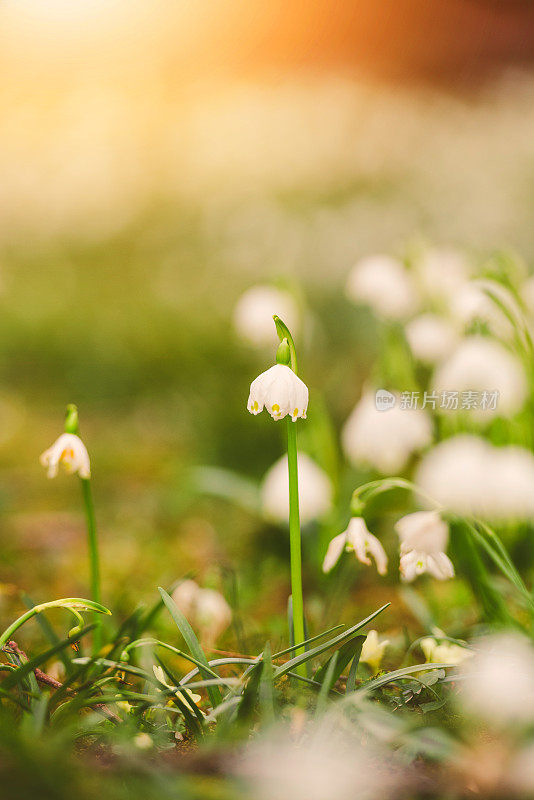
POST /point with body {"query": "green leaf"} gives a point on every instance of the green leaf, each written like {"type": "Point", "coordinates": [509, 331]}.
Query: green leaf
{"type": "Point", "coordinates": [192, 642]}
{"type": "Point", "coordinates": [266, 691]}
{"type": "Point", "coordinates": [388, 677]}
{"type": "Point", "coordinates": [351, 649]}
{"type": "Point", "coordinates": [342, 637]}
{"type": "Point", "coordinates": [29, 666]}
{"type": "Point", "coordinates": [329, 679]}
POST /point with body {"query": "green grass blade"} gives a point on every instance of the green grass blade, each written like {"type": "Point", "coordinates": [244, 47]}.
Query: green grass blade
{"type": "Point", "coordinates": [192, 642]}
{"type": "Point", "coordinates": [328, 682]}
{"type": "Point", "coordinates": [15, 677]}
{"type": "Point", "coordinates": [316, 651]}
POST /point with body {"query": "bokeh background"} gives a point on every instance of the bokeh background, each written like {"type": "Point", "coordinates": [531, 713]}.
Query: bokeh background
{"type": "Point", "coordinates": [157, 159]}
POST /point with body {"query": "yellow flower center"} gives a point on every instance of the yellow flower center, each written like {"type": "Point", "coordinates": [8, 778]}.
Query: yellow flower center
{"type": "Point", "coordinates": [276, 408]}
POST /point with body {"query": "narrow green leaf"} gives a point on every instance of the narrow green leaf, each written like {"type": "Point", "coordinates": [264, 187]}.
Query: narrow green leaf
{"type": "Point", "coordinates": [15, 677]}
{"type": "Point", "coordinates": [266, 691]}
{"type": "Point", "coordinates": [382, 680]}
{"type": "Point", "coordinates": [348, 651]}
{"type": "Point", "coordinates": [192, 642]}
{"type": "Point", "coordinates": [328, 682]}
{"type": "Point", "coordinates": [316, 651]}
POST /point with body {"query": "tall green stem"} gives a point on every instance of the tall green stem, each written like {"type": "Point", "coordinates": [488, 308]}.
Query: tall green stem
{"type": "Point", "coordinates": [94, 563]}
{"type": "Point", "coordinates": [294, 539]}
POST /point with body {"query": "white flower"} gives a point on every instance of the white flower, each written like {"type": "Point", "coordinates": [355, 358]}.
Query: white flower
{"type": "Point", "coordinates": [206, 609]}
{"type": "Point", "coordinates": [422, 530]}
{"type": "Point", "coordinates": [373, 651]}
{"type": "Point", "coordinates": [280, 391]}
{"type": "Point", "coordinates": [443, 652]}
{"type": "Point", "coordinates": [498, 682]}
{"type": "Point", "coordinates": [357, 538]}
{"type": "Point", "coordinates": [469, 476]}
{"type": "Point", "coordinates": [315, 490]}
{"type": "Point", "coordinates": [442, 273]}
{"type": "Point", "coordinates": [384, 284]}
{"type": "Point", "coordinates": [70, 451]}
{"type": "Point", "coordinates": [431, 338]}
{"type": "Point", "coordinates": [424, 536]}
{"type": "Point", "coordinates": [472, 303]}
{"type": "Point", "coordinates": [480, 364]}
{"type": "Point", "coordinates": [385, 440]}
{"type": "Point", "coordinates": [253, 314]}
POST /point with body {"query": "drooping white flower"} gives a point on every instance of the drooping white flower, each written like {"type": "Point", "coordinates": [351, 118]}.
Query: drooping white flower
{"type": "Point", "coordinates": [424, 536]}
{"type": "Point", "coordinates": [253, 314]}
{"type": "Point", "coordinates": [422, 530]}
{"type": "Point", "coordinates": [384, 284]}
{"type": "Point", "coordinates": [315, 490]}
{"type": "Point", "coordinates": [498, 682]}
{"type": "Point", "coordinates": [205, 609]}
{"type": "Point", "coordinates": [281, 392]}
{"type": "Point", "coordinates": [440, 651]}
{"type": "Point", "coordinates": [384, 439]}
{"type": "Point", "coordinates": [480, 364]}
{"type": "Point", "coordinates": [373, 651]}
{"type": "Point", "coordinates": [469, 476]}
{"type": "Point", "coordinates": [431, 338]}
{"type": "Point", "coordinates": [70, 451]}
{"type": "Point", "coordinates": [360, 540]}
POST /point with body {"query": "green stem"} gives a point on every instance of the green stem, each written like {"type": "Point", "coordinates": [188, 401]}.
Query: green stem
{"type": "Point", "coordinates": [294, 540]}
{"type": "Point", "coordinates": [94, 564]}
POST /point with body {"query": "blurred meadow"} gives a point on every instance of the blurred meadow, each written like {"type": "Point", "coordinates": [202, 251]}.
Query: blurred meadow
{"type": "Point", "coordinates": [156, 161]}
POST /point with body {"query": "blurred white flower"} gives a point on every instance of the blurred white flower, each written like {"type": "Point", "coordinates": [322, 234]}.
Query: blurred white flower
{"type": "Point", "coordinates": [321, 766]}
{"type": "Point", "coordinates": [424, 536]}
{"type": "Point", "coordinates": [438, 651]}
{"type": "Point", "coordinates": [475, 303]}
{"type": "Point", "coordinates": [422, 530]}
{"type": "Point", "coordinates": [143, 741]}
{"type": "Point", "coordinates": [468, 475]}
{"type": "Point", "coordinates": [373, 651]}
{"type": "Point", "coordinates": [498, 682]}
{"type": "Point", "coordinates": [431, 337]}
{"type": "Point", "coordinates": [356, 538]}
{"type": "Point", "coordinates": [480, 364]}
{"type": "Point", "coordinates": [384, 284]}
{"type": "Point", "coordinates": [70, 451]}
{"type": "Point", "coordinates": [384, 440]}
{"type": "Point", "coordinates": [315, 490]}
{"type": "Point", "coordinates": [205, 609]}
{"type": "Point", "coordinates": [442, 273]}
{"type": "Point", "coordinates": [253, 314]}
{"type": "Point", "coordinates": [280, 391]}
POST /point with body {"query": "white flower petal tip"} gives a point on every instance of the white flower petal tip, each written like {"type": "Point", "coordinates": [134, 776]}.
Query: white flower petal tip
{"type": "Point", "coordinates": [358, 539]}
{"type": "Point", "coordinates": [70, 451]}
{"type": "Point", "coordinates": [281, 392]}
